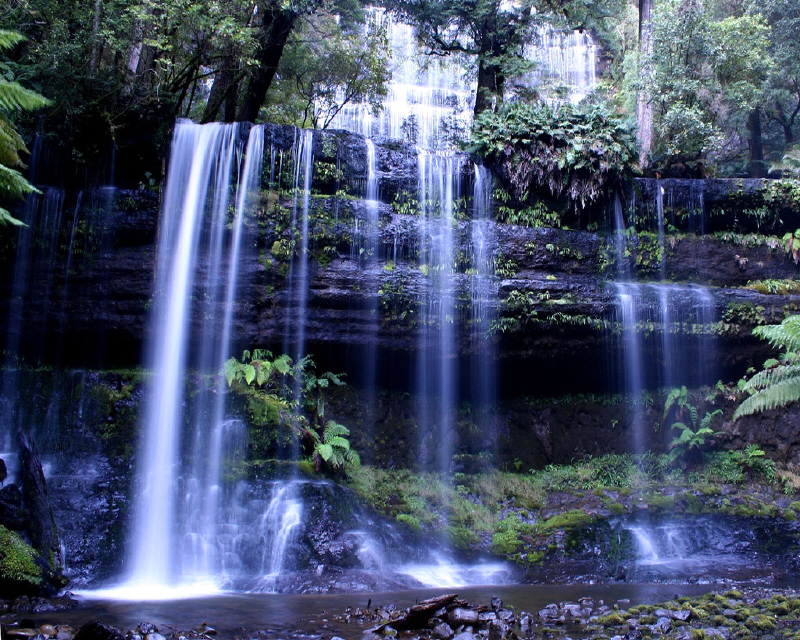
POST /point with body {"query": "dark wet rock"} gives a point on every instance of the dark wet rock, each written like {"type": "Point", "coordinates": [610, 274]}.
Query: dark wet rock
{"type": "Point", "coordinates": [98, 631]}
{"type": "Point", "coordinates": [146, 628]}
{"type": "Point", "coordinates": [460, 616]}
{"type": "Point", "coordinates": [443, 631]}
{"type": "Point", "coordinates": [662, 625]}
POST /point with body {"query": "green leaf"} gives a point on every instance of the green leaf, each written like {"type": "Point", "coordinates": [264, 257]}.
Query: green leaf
{"type": "Point", "coordinates": [230, 369]}
{"type": "Point", "coordinates": [249, 373]}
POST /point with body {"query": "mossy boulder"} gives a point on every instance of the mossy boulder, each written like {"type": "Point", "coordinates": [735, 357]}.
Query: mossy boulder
{"type": "Point", "coordinates": [20, 573]}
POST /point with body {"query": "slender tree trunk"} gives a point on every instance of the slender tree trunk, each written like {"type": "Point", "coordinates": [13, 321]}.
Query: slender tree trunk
{"type": "Point", "coordinates": [276, 26]}
{"type": "Point", "coordinates": [223, 93]}
{"type": "Point", "coordinates": [94, 58]}
{"type": "Point", "coordinates": [489, 82]}
{"type": "Point", "coordinates": [755, 166]}
{"type": "Point", "coordinates": [644, 106]}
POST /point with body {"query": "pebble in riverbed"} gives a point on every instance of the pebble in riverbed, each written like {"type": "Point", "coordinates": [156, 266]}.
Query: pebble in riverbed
{"type": "Point", "coordinates": [732, 615]}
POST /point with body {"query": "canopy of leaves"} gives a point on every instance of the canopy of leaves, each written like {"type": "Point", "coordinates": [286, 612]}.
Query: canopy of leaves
{"type": "Point", "coordinates": [704, 77]}
{"type": "Point", "coordinates": [575, 151]}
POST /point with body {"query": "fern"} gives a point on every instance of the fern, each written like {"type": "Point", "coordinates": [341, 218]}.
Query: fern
{"type": "Point", "coordinates": [785, 335]}
{"type": "Point", "coordinates": [13, 98]}
{"type": "Point", "coordinates": [778, 395]}
{"type": "Point", "coordinates": [779, 384]}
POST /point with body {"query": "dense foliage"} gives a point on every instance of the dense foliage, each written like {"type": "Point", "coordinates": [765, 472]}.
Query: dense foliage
{"type": "Point", "coordinates": [13, 99]}
{"type": "Point", "coordinates": [579, 152]}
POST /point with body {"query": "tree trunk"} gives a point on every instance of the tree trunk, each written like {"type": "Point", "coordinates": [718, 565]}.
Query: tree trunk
{"type": "Point", "coordinates": [644, 107]}
{"type": "Point", "coordinates": [276, 26]}
{"type": "Point", "coordinates": [755, 165]}
{"type": "Point", "coordinates": [223, 93]}
{"type": "Point", "coordinates": [94, 58]}
{"type": "Point", "coordinates": [489, 82]}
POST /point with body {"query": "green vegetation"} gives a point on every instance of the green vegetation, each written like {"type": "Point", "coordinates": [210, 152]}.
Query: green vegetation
{"type": "Point", "coordinates": [778, 384]}
{"type": "Point", "coordinates": [577, 152]}
{"type": "Point", "coordinates": [695, 433]}
{"type": "Point", "coordinates": [13, 99]}
{"type": "Point", "coordinates": [286, 403]}
{"type": "Point", "coordinates": [17, 561]}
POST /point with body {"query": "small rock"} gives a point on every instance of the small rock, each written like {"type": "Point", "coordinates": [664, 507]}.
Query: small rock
{"type": "Point", "coordinates": [459, 616]}
{"type": "Point", "coordinates": [154, 636]}
{"type": "Point", "coordinates": [624, 603]}
{"type": "Point", "coordinates": [498, 630]}
{"type": "Point", "coordinates": [663, 613]}
{"type": "Point", "coordinates": [723, 634]}
{"type": "Point", "coordinates": [64, 635]}
{"type": "Point", "coordinates": [497, 603]}
{"type": "Point", "coordinates": [506, 615]}
{"type": "Point", "coordinates": [443, 631]}
{"type": "Point", "coordinates": [146, 627]}
{"type": "Point", "coordinates": [211, 631]}
{"type": "Point", "coordinates": [662, 625]}
{"type": "Point", "coordinates": [98, 631]}
{"type": "Point", "coordinates": [487, 616]}
{"type": "Point", "coordinates": [23, 633]}
{"type": "Point", "coordinates": [549, 612]}
{"type": "Point", "coordinates": [389, 632]}
{"type": "Point", "coordinates": [572, 610]}
{"type": "Point", "coordinates": [336, 638]}
{"type": "Point", "coordinates": [47, 630]}
{"type": "Point", "coordinates": [464, 635]}
{"type": "Point", "coordinates": [683, 614]}
{"type": "Point", "coordinates": [729, 613]}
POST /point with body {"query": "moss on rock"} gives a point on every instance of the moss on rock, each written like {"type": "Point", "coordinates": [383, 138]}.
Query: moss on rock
{"type": "Point", "coordinates": [19, 572]}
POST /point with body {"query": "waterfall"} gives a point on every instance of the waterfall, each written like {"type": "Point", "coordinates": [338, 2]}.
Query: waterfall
{"type": "Point", "coordinates": [484, 296]}
{"type": "Point", "coordinates": [196, 252]}
{"type": "Point", "coordinates": [562, 58]}
{"type": "Point", "coordinates": [299, 266]}
{"type": "Point", "coordinates": [430, 103]}
{"type": "Point", "coordinates": [437, 370]}
{"type": "Point", "coordinates": [663, 328]}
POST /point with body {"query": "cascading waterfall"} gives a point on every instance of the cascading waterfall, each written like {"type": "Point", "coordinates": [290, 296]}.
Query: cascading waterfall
{"type": "Point", "coordinates": [652, 319]}
{"type": "Point", "coordinates": [204, 159]}
{"type": "Point", "coordinates": [437, 369]}
{"type": "Point", "coordinates": [483, 294]}
{"type": "Point", "coordinates": [566, 58]}
{"type": "Point", "coordinates": [299, 267]}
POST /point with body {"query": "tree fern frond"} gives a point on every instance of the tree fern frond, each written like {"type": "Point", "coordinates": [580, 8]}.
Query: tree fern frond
{"type": "Point", "coordinates": [768, 377]}
{"type": "Point", "coordinates": [337, 442]}
{"type": "Point", "coordinates": [13, 184]}
{"type": "Point", "coordinates": [785, 335]}
{"type": "Point", "coordinates": [15, 97]}
{"type": "Point", "coordinates": [10, 39]}
{"type": "Point", "coordinates": [325, 451]}
{"type": "Point", "coordinates": [778, 395]}
{"type": "Point", "coordinates": [333, 428]}
{"type": "Point", "coordinates": [6, 218]}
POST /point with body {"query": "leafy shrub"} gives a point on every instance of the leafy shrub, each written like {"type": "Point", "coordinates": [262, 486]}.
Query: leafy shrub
{"type": "Point", "coordinates": [573, 151]}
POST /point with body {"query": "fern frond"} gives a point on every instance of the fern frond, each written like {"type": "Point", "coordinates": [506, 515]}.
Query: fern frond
{"type": "Point", "coordinates": [325, 451]}
{"type": "Point", "coordinates": [777, 395]}
{"type": "Point", "coordinates": [337, 442]}
{"type": "Point", "coordinates": [352, 459]}
{"type": "Point", "coordinates": [10, 39]}
{"type": "Point", "coordinates": [13, 184]}
{"type": "Point", "coordinates": [785, 335]}
{"type": "Point", "coordinates": [333, 429]}
{"type": "Point", "coordinates": [7, 219]}
{"type": "Point", "coordinates": [769, 377]}
{"type": "Point", "coordinates": [11, 143]}
{"type": "Point", "coordinates": [692, 413]}
{"type": "Point", "coordinates": [15, 97]}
